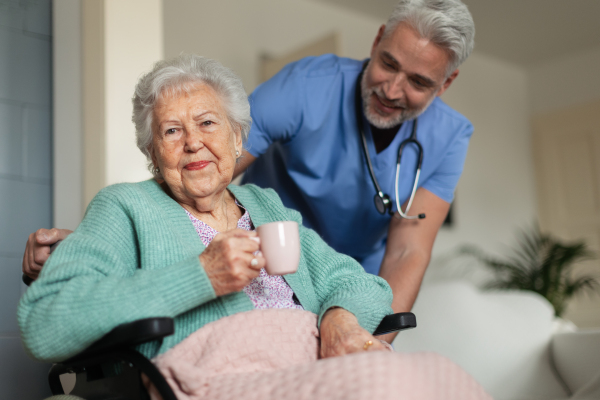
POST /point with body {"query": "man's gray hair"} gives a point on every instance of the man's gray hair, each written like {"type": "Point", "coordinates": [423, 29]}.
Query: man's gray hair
{"type": "Point", "coordinates": [447, 23]}
{"type": "Point", "coordinates": [182, 74]}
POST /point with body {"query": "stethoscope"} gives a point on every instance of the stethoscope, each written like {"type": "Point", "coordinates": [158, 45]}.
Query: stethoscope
{"type": "Point", "coordinates": [383, 202]}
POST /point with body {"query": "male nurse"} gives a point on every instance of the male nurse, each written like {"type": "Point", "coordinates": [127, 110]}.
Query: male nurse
{"type": "Point", "coordinates": [305, 140]}
{"type": "Point", "coordinates": [306, 143]}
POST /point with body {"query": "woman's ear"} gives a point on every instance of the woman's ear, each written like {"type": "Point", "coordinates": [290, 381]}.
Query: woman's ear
{"type": "Point", "coordinates": [152, 156]}
{"type": "Point", "coordinates": [238, 140]}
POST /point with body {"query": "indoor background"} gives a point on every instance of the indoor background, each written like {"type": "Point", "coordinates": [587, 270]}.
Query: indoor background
{"type": "Point", "coordinates": [68, 67]}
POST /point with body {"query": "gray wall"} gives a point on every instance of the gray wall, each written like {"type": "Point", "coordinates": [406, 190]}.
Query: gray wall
{"type": "Point", "coordinates": [25, 174]}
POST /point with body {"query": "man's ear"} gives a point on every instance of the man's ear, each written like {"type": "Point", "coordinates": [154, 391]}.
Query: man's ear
{"type": "Point", "coordinates": [377, 39]}
{"type": "Point", "coordinates": [448, 82]}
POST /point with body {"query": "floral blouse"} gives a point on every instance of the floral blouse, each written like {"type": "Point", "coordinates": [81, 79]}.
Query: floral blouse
{"type": "Point", "coordinates": [265, 291]}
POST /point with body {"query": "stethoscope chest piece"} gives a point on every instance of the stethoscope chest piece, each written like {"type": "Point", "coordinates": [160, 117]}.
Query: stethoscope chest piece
{"type": "Point", "coordinates": [383, 203]}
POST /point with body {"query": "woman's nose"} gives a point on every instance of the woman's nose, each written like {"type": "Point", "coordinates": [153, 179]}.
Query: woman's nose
{"type": "Point", "coordinates": [193, 141]}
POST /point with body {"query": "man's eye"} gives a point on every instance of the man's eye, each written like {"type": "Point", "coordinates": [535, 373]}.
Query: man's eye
{"type": "Point", "coordinates": [420, 84]}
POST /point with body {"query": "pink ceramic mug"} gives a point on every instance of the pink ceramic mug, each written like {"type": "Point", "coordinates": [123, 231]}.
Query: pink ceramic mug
{"type": "Point", "coordinates": [280, 245]}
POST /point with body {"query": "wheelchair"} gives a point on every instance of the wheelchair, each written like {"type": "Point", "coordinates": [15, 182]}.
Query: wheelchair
{"type": "Point", "coordinates": [123, 379]}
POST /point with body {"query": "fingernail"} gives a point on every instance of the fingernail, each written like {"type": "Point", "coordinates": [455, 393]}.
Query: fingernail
{"type": "Point", "coordinates": [256, 239]}
{"type": "Point", "coordinates": [42, 236]}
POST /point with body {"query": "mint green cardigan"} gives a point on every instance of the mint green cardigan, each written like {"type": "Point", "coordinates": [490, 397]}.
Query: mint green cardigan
{"type": "Point", "coordinates": [135, 255]}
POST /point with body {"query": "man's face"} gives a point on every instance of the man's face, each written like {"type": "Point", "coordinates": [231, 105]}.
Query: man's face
{"type": "Point", "coordinates": [405, 74]}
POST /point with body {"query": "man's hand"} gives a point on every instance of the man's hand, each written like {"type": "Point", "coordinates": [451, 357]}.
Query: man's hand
{"type": "Point", "coordinates": [37, 250]}
{"type": "Point", "coordinates": [341, 334]}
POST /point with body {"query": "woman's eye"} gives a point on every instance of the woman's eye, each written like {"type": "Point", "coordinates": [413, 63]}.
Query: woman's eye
{"type": "Point", "coordinates": [207, 123]}
{"type": "Point", "coordinates": [170, 131]}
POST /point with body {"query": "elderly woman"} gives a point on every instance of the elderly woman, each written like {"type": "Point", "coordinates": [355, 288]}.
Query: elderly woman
{"type": "Point", "coordinates": [182, 245]}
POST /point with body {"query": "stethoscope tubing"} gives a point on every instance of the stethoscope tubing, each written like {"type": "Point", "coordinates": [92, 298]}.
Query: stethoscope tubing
{"type": "Point", "coordinates": [382, 200]}
{"type": "Point", "coordinates": [412, 139]}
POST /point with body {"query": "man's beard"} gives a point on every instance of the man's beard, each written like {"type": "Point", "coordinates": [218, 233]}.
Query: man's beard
{"type": "Point", "coordinates": [380, 121]}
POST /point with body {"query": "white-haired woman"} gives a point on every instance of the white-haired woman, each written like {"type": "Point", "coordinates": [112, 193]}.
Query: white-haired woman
{"type": "Point", "coordinates": [181, 245]}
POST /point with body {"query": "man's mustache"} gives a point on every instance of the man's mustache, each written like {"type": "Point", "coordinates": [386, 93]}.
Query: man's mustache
{"type": "Point", "coordinates": [386, 101]}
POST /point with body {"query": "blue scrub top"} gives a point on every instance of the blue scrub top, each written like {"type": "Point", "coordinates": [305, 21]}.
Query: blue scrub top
{"type": "Point", "coordinates": [305, 136]}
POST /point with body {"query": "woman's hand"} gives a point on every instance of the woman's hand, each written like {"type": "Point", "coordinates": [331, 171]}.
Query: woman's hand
{"type": "Point", "coordinates": [228, 260]}
{"type": "Point", "coordinates": [341, 334]}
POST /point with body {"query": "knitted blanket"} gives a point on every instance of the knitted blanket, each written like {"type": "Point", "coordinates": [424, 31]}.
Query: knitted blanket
{"type": "Point", "coordinates": [274, 354]}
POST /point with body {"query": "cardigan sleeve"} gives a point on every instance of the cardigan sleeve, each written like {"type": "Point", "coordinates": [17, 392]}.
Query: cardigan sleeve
{"type": "Point", "coordinates": [92, 283]}
{"type": "Point", "coordinates": [340, 281]}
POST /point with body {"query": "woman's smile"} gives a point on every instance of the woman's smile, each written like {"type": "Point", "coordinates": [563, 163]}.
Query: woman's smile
{"type": "Point", "coordinates": [193, 166]}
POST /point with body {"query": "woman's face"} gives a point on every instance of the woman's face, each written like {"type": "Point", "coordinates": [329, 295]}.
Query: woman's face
{"type": "Point", "coordinates": [193, 143]}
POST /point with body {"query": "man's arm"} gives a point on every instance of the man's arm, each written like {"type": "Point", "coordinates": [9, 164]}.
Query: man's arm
{"type": "Point", "coordinates": [408, 250]}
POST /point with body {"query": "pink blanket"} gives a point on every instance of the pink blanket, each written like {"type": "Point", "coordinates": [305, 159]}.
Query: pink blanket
{"type": "Point", "coordinates": [273, 354]}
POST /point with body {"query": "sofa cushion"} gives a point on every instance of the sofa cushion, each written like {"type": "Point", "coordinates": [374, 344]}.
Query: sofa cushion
{"type": "Point", "coordinates": [576, 356]}
{"type": "Point", "coordinates": [501, 338]}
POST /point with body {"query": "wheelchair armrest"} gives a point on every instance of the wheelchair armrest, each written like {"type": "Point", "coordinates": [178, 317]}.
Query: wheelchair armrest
{"type": "Point", "coordinates": [26, 280]}
{"type": "Point", "coordinates": [131, 334]}
{"type": "Point", "coordinates": [115, 346]}
{"type": "Point", "coordinates": [396, 322]}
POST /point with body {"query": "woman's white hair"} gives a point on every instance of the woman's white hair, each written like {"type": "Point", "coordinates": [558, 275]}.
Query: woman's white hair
{"type": "Point", "coordinates": [182, 74]}
{"type": "Point", "coordinates": [447, 23]}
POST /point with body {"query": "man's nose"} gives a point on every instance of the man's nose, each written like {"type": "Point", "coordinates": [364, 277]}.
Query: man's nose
{"type": "Point", "coordinates": [395, 87]}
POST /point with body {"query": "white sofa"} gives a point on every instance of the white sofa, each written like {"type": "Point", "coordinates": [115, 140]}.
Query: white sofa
{"type": "Point", "coordinates": [509, 341]}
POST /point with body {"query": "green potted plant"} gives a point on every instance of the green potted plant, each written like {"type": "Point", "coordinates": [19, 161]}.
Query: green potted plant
{"type": "Point", "coordinates": [542, 264]}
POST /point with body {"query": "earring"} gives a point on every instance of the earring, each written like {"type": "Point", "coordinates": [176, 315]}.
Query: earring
{"type": "Point", "coordinates": [156, 170]}
{"type": "Point", "coordinates": [237, 153]}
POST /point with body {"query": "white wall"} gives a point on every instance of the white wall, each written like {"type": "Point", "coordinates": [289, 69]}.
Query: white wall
{"type": "Point", "coordinates": [100, 51]}
{"type": "Point", "coordinates": [566, 81]}
{"type": "Point", "coordinates": [237, 32]}
{"type": "Point", "coordinates": [133, 42]}
{"type": "Point", "coordinates": [67, 98]}
{"type": "Point", "coordinates": [496, 194]}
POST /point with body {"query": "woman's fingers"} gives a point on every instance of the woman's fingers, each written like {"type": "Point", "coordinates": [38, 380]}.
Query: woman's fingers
{"type": "Point", "coordinates": [373, 344]}
{"type": "Point", "coordinates": [341, 334]}
{"type": "Point", "coordinates": [386, 345]}
{"type": "Point", "coordinates": [240, 233]}
{"type": "Point", "coordinates": [239, 239]}
{"type": "Point", "coordinates": [257, 261]}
